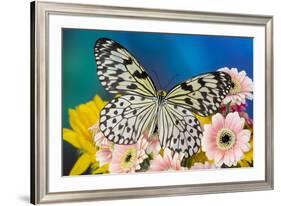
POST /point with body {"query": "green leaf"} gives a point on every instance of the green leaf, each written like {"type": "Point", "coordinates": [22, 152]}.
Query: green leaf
{"type": "Point", "coordinates": [144, 165]}
{"type": "Point", "coordinates": [227, 107]}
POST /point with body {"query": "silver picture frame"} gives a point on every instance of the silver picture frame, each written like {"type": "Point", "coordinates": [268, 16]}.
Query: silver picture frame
{"type": "Point", "coordinates": [40, 12]}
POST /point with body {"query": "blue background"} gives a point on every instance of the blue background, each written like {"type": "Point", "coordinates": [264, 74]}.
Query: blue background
{"type": "Point", "coordinates": [175, 57]}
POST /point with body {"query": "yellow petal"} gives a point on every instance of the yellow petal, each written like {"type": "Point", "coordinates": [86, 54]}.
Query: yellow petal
{"type": "Point", "coordinates": [77, 125]}
{"type": "Point", "coordinates": [204, 120]}
{"type": "Point", "coordinates": [248, 156]}
{"type": "Point", "coordinates": [88, 147]}
{"type": "Point", "coordinates": [95, 166]}
{"type": "Point", "coordinates": [71, 137]}
{"type": "Point", "coordinates": [89, 113]}
{"type": "Point", "coordinates": [73, 117]}
{"type": "Point", "coordinates": [95, 106]}
{"type": "Point", "coordinates": [81, 165]}
{"type": "Point", "coordinates": [101, 170]}
{"type": "Point", "coordinates": [85, 116]}
{"type": "Point", "coordinates": [244, 163]}
{"type": "Point", "coordinates": [200, 157]}
{"type": "Point", "coordinates": [99, 102]}
{"type": "Point", "coordinates": [93, 112]}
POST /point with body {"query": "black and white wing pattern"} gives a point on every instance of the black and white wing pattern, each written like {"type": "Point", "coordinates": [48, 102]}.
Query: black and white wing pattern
{"type": "Point", "coordinates": [202, 94]}
{"type": "Point", "coordinates": [118, 70]}
{"type": "Point", "coordinates": [179, 130]}
{"type": "Point", "coordinates": [125, 118]}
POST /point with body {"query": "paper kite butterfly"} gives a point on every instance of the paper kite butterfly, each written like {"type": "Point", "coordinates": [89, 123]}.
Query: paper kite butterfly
{"type": "Point", "coordinates": [143, 108]}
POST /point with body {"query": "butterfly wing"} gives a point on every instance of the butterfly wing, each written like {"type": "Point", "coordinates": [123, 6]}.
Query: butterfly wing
{"type": "Point", "coordinates": [119, 71]}
{"type": "Point", "coordinates": [202, 94]}
{"type": "Point", "coordinates": [179, 130]}
{"type": "Point", "coordinates": [125, 118]}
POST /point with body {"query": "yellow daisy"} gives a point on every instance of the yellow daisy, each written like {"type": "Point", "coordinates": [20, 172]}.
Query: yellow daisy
{"type": "Point", "coordinates": [81, 119]}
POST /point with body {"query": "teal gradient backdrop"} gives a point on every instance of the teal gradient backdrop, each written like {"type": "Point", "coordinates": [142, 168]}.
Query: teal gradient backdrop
{"type": "Point", "coordinates": [175, 57]}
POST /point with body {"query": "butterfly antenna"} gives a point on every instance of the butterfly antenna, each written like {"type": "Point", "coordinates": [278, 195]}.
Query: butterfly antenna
{"type": "Point", "coordinates": [157, 78]}
{"type": "Point", "coordinates": [171, 81]}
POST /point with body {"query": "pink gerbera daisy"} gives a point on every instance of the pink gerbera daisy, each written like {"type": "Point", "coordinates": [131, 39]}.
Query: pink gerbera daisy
{"type": "Point", "coordinates": [225, 140]}
{"type": "Point", "coordinates": [206, 165]}
{"type": "Point", "coordinates": [104, 153]}
{"type": "Point", "coordinates": [127, 158]}
{"type": "Point", "coordinates": [242, 87]}
{"type": "Point", "coordinates": [166, 162]}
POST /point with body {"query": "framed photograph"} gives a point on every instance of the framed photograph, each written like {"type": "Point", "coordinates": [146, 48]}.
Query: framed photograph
{"type": "Point", "coordinates": [134, 103]}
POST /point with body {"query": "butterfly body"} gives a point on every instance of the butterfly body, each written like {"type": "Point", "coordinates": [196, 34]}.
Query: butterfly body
{"type": "Point", "coordinates": [161, 94]}
{"type": "Point", "coordinates": [142, 108]}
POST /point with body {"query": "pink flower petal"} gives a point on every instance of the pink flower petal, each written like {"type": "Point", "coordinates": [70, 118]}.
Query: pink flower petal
{"type": "Point", "coordinates": [167, 162]}
{"type": "Point", "coordinates": [104, 156]}
{"type": "Point", "coordinates": [226, 159]}
{"type": "Point", "coordinates": [243, 136]}
{"type": "Point", "coordinates": [238, 127]}
{"type": "Point", "coordinates": [228, 156]}
{"type": "Point", "coordinates": [241, 76]}
{"type": "Point", "coordinates": [246, 85]}
{"type": "Point", "coordinates": [245, 147]}
{"type": "Point", "coordinates": [238, 153]}
{"type": "Point", "coordinates": [217, 122]}
{"type": "Point", "coordinates": [115, 168]}
{"type": "Point", "coordinates": [233, 72]}
{"type": "Point", "coordinates": [218, 155]}
{"type": "Point", "coordinates": [206, 165]}
{"type": "Point", "coordinates": [231, 120]}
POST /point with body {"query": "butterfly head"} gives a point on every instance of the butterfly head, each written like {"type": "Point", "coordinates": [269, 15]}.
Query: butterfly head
{"type": "Point", "coordinates": [161, 93]}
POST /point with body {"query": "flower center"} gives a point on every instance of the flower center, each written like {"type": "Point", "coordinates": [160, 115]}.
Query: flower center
{"type": "Point", "coordinates": [225, 139]}
{"type": "Point", "coordinates": [129, 158]}
{"type": "Point", "coordinates": [235, 86]}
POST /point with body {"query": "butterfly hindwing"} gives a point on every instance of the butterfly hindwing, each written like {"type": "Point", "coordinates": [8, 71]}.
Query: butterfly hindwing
{"type": "Point", "coordinates": [118, 70]}
{"type": "Point", "coordinates": [202, 94]}
{"type": "Point", "coordinates": [179, 130]}
{"type": "Point", "coordinates": [125, 118]}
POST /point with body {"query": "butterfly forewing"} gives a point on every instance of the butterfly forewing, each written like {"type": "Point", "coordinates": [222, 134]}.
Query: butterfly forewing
{"type": "Point", "coordinates": [202, 94]}
{"type": "Point", "coordinates": [118, 70]}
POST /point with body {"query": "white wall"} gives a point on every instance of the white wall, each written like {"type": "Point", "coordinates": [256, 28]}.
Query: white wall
{"type": "Point", "coordinates": [14, 101]}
